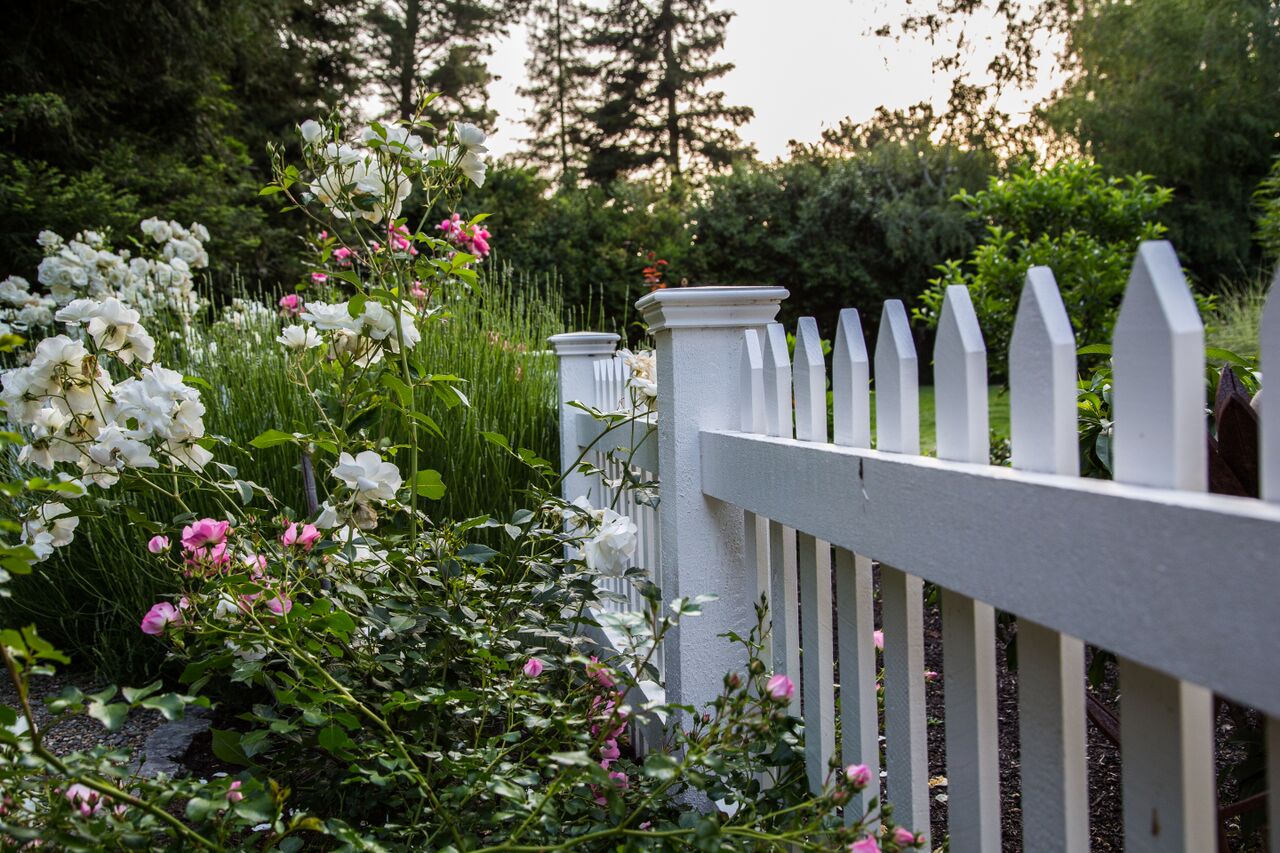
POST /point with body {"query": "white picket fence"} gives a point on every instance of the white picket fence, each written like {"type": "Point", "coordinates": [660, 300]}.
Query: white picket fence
{"type": "Point", "coordinates": [1183, 586]}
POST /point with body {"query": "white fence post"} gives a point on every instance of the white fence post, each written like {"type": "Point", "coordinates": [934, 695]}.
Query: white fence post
{"type": "Point", "coordinates": [1051, 716]}
{"type": "Point", "coordinates": [902, 594]}
{"type": "Point", "coordinates": [1269, 458]}
{"type": "Point", "coordinates": [1166, 727]}
{"type": "Point", "coordinates": [698, 334]}
{"type": "Point", "coordinates": [577, 353]}
{"type": "Point", "coordinates": [968, 626]}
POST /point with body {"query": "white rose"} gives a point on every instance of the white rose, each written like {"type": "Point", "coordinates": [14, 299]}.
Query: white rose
{"type": "Point", "coordinates": [299, 338]}
{"type": "Point", "coordinates": [368, 475]}
{"type": "Point", "coordinates": [614, 543]}
{"type": "Point", "coordinates": [470, 137]}
{"type": "Point", "coordinates": [311, 131]}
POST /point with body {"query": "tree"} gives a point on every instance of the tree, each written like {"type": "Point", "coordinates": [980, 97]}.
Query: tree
{"type": "Point", "coordinates": [560, 76]}
{"type": "Point", "coordinates": [656, 106]}
{"type": "Point", "coordinates": [1185, 90]}
{"type": "Point", "coordinates": [416, 46]}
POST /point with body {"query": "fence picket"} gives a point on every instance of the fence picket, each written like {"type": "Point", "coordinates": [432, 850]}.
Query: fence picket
{"type": "Point", "coordinates": [901, 594]}
{"type": "Point", "coordinates": [814, 563]}
{"type": "Point", "coordinates": [1166, 733]}
{"type": "Point", "coordinates": [968, 626]}
{"type": "Point", "coordinates": [755, 529]}
{"type": "Point", "coordinates": [855, 611]}
{"type": "Point", "coordinates": [1042, 386]}
{"type": "Point", "coordinates": [783, 585]}
{"type": "Point", "coordinates": [1269, 457]}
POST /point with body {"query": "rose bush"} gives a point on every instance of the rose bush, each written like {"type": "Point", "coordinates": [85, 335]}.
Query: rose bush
{"type": "Point", "coordinates": [428, 683]}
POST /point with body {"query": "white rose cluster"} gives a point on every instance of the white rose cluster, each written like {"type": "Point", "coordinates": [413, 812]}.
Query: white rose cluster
{"type": "Point", "coordinates": [363, 339]}
{"type": "Point", "coordinates": [373, 180]}
{"type": "Point", "coordinates": [75, 412]}
{"type": "Point", "coordinates": [610, 538]}
{"type": "Point", "coordinates": [20, 309]}
{"type": "Point", "coordinates": [159, 278]}
{"type": "Point", "coordinates": [369, 479]}
{"type": "Point", "coordinates": [642, 378]}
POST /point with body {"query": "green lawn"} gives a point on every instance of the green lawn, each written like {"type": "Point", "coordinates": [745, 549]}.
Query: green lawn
{"type": "Point", "coordinates": [998, 408]}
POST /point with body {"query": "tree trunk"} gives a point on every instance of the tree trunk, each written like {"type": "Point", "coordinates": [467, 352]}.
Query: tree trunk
{"type": "Point", "coordinates": [409, 57]}
{"type": "Point", "coordinates": [670, 73]}
{"type": "Point", "coordinates": [560, 93]}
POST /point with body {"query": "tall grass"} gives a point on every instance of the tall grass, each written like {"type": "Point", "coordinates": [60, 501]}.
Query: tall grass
{"type": "Point", "coordinates": [1233, 325]}
{"type": "Point", "coordinates": [89, 597]}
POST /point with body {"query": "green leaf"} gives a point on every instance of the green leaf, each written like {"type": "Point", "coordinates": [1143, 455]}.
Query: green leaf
{"type": "Point", "coordinates": [334, 738]}
{"type": "Point", "coordinates": [355, 307]}
{"type": "Point", "coordinates": [497, 438]}
{"type": "Point", "coordinates": [477, 553]}
{"type": "Point", "coordinates": [134, 695]}
{"type": "Point", "coordinates": [271, 438]}
{"type": "Point", "coordinates": [401, 390]}
{"type": "Point", "coordinates": [112, 716]}
{"type": "Point", "coordinates": [1095, 349]}
{"type": "Point", "coordinates": [168, 704]}
{"type": "Point", "coordinates": [661, 767]}
{"type": "Point", "coordinates": [226, 745]}
{"type": "Point", "coordinates": [572, 759]}
{"type": "Point", "coordinates": [429, 485]}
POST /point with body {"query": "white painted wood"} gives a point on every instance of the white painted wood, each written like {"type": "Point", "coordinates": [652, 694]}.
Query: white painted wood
{"type": "Point", "coordinates": [850, 381]}
{"type": "Point", "coordinates": [1012, 539]}
{"type": "Point", "coordinates": [1042, 380]}
{"type": "Point", "coordinates": [960, 382]}
{"type": "Point", "coordinates": [1166, 730]}
{"type": "Point", "coordinates": [814, 564]}
{"type": "Point", "coordinates": [698, 338]}
{"type": "Point", "coordinates": [577, 355]}
{"type": "Point", "coordinates": [1269, 338]}
{"type": "Point", "coordinates": [818, 642]}
{"type": "Point", "coordinates": [968, 626]}
{"type": "Point", "coordinates": [906, 739]}
{"type": "Point", "coordinates": [810, 373]}
{"type": "Point", "coordinates": [1051, 702]}
{"type": "Point", "coordinates": [1053, 757]}
{"type": "Point", "coordinates": [859, 712]}
{"type": "Point", "coordinates": [784, 594]}
{"type": "Point", "coordinates": [897, 383]}
{"type": "Point", "coordinates": [755, 529]}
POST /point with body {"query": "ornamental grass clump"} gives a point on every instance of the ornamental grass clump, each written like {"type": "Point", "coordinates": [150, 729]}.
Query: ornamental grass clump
{"type": "Point", "coordinates": [386, 677]}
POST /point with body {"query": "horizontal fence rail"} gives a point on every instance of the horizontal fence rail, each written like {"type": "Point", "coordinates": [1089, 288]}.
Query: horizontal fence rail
{"type": "Point", "coordinates": [769, 486]}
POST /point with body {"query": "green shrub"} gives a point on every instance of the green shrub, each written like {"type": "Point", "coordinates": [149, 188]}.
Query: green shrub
{"type": "Point", "coordinates": [1267, 199]}
{"type": "Point", "coordinates": [1068, 217]}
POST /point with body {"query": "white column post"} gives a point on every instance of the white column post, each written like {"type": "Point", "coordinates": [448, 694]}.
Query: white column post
{"type": "Point", "coordinates": [698, 333]}
{"type": "Point", "coordinates": [577, 353]}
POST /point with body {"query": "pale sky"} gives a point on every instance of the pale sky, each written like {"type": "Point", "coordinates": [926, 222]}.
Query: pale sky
{"type": "Point", "coordinates": [802, 65]}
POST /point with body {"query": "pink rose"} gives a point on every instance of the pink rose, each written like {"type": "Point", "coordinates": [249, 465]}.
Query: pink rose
{"type": "Point", "coordinates": [158, 544]}
{"type": "Point", "coordinates": [865, 845]}
{"type": "Point", "coordinates": [859, 775]}
{"type": "Point", "coordinates": [319, 278]}
{"type": "Point", "coordinates": [83, 799]}
{"type": "Point", "coordinates": [599, 672]}
{"type": "Point", "coordinates": [780, 688]}
{"type": "Point", "coordinates": [342, 255]}
{"type": "Point", "coordinates": [302, 535]}
{"type": "Point", "coordinates": [279, 605]}
{"type": "Point", "coordinates": [879, 638]}
{"type": "Point", "coordinates": [160, 615]}
{"type": "Point", "coordinates": [532, 668]}
{"type": "Point", "coordinates": [610, 751]}
{"type": "Point", "coordinates": [206, 531]}
{"type": "Point", "coordinates": [904, 837]}
{"type": "Point", "coordinates": [930, 675]}
{"type": "Point", "coordinates": [291, 303]}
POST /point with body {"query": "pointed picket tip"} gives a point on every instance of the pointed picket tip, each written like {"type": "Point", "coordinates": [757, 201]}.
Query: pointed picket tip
{"type": "Point", "coordinates": [810, 379]}
{"type": "Point", "coordinates": [1042, 380]}
{"type": "Point", "coordinates": [777, 382]}
{"type": "Point", "coordinates": [851, 382]}
{"type": "Point", "coordinates": [960, 381]}
{"type": "Point", "coordinates": [1269, 340]}
{"type": "Point", "coordinates": [1158, 359]}
{"type": "Point", "coordinates": [897, 383]}
{"type": "Point", "coordinates": [751, 388]}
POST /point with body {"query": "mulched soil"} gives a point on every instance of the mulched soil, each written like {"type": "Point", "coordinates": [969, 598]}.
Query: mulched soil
{"type": "Point", "coordinates": [80, 733]}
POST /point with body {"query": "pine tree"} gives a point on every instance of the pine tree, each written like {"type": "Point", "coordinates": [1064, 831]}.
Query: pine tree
{"type": "Point", "coordinates": [657, 107]}
{"type": "Point", "coordinates": [560, 87]}
{"type": "Point", "coordinates": [440, 46]}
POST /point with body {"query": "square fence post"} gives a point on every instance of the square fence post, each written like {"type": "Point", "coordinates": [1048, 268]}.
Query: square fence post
{"type": "Point", "coordinates": [698, 333]}
{"type": "Point", "coordinates": [577, 352]}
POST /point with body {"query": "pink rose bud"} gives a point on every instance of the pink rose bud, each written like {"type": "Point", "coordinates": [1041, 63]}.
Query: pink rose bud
{"type": "Point", "coordinates": [904, 836]}
{"type": "Point", "coordinates": [532, 668]}
{"type": "Point", "coordinates": [859, 775]}
{"type": "Point", "coordinates": [233, 793]}
{"type": "Point", "coordinates": [302, 535]}
{"type": "Point", "coordinates": [279, 605]}
{"type": "Point", "coordinates": [158, 544]}
{"type": "Point", "coordinates": [879, 638]}
{"type": "Point", "coordinates": [160, 615]}
{"type": "Point", "coordinates": [780, 687]}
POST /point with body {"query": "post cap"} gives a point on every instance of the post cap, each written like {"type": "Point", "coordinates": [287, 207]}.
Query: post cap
{"type": "Point", "coordinates": [584, 343]}
{"type": "Point", "coordinates": [710, 307]}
